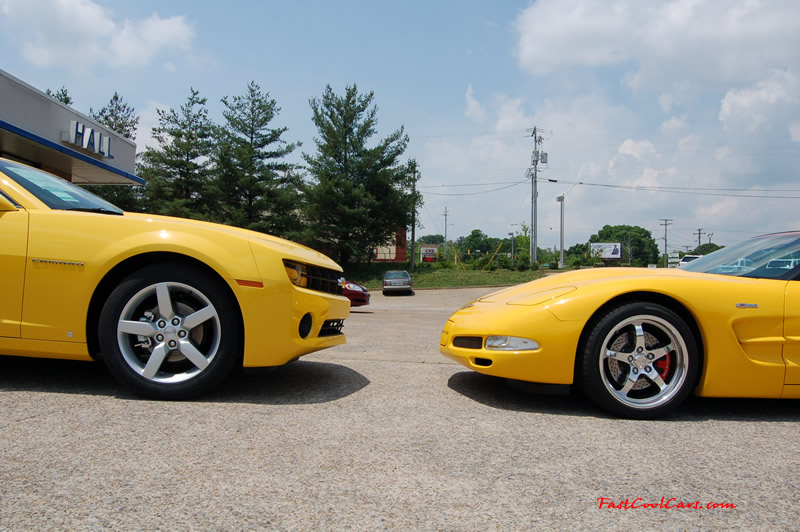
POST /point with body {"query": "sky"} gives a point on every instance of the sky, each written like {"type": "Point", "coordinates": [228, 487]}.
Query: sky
{"type": "Point", "coordinates": [677, 116]}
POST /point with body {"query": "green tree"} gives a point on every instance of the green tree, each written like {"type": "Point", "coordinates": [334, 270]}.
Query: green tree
{"type": "Point", "coordinates": [120, 117]}
{"type": "Point", "coordinates": [177, 172]}
{"type": "Point", "coordinates": [360, 196]}
{"type": "Point", "coordinates": [61, 95]}
{"type": "Point", "coordinates": [638, 246]}
{"type": "Point", "coordinates": [431, 239]}
{"type": "Point", "coordinates": [705, 249]}
{"type": "Point", "coordinates": [252, 186]}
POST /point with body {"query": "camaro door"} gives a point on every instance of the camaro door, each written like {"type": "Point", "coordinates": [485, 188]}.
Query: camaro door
{"type": "Point", "coordinates": [13, 248]}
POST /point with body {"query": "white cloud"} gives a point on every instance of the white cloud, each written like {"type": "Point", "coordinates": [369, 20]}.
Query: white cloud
{"type": "Point", "coordinates": [639, 149]}
{"type": "Point", "coordinates": [474, 110]}
{"type": "Point", "coordinates": [674, 124]}
{"type": "Point", "coordinates": [678, 47]}
{"type": "Point", "coordinates": [138, 41]}
{"type": "Point", "coordinates": [753, 108]}
{"type": "Point", "coordinates": [794, 131]}
{"type": "Point", "coordinates": [80, 34]}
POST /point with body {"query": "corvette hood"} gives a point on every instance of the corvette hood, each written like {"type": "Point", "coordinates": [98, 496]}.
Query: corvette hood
{"type": "Point", "coordinates": [558, 285]}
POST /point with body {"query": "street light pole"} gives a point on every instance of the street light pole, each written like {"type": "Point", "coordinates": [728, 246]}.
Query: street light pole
{"type": "Point", "coordinates": [512, 248]}
{"type": "Point", "coordinates": [560, 199]}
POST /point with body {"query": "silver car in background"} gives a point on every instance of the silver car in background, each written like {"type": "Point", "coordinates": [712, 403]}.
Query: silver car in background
{"type": "Point", "coordinates": [397, 281]}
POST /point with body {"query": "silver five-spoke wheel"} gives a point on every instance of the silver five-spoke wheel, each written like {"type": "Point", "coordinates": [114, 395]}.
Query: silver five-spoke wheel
{"type": "Point", "coordinates": [170, 331]}
{"type": "Point", "coordinates": [640, 360]}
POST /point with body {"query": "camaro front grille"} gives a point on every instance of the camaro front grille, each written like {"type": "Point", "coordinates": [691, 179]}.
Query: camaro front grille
{"type": "Point", "coordinates": [331, 328]}
{"type": "Point", "coordinates": [324, 280]}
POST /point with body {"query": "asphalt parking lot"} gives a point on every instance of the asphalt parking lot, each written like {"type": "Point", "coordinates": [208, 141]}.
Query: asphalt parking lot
{"type": "Point", "coordinates": [382, 433]}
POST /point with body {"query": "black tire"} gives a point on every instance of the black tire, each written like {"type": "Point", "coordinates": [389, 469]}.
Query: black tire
{"type": "Point", "coordinates": [170, 332]}
{"type": "Point", "coordinates": [640, 361]}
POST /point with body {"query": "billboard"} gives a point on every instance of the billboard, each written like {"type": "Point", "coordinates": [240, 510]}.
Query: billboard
{"type": "Point", "coordinates": [610, 251]}
{"type": "Point", "coordinates": [428, 253]}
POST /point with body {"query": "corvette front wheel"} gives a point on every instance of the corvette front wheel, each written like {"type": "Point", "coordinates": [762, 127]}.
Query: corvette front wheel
{"type": "Point", "coordinates": [640, 361]}
{"type": "Point", "coordinates": [170, 332]}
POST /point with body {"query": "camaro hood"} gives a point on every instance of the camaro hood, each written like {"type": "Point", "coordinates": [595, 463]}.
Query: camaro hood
{"type": "Point", "coordinates": [287, 247]}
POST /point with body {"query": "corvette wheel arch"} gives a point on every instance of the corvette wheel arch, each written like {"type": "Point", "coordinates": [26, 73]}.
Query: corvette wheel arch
{"type": "Point", "coordinates": [641, 297]}
{"type": "Point", "coordinates": [130, 265]}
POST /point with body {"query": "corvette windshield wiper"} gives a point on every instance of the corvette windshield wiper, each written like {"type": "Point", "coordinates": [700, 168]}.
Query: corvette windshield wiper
{"type": "Point", "coordinates": [99, 210]}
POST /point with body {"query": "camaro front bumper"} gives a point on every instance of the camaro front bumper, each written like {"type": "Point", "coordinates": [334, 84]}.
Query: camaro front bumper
{"type": "Point", "coordinates": [553, 361]}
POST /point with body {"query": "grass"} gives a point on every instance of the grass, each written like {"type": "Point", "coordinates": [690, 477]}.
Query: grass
{"type": "Point", "coordinates": [449, 278]}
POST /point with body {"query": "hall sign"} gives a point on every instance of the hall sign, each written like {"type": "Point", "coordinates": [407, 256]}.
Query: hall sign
{"type": "Point", "coordinates": [89, 139]}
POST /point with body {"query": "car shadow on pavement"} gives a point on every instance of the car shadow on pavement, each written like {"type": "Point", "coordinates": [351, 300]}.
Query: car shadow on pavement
{"type": "Point", "coordinates": [499, 393]}
{"type": "Point", "coordinates": [300, 382]}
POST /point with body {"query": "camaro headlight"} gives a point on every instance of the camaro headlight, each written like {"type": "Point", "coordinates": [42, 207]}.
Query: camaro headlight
{"type": "Point", "coordinates": [510, 343]}
{"type": "Point", "coordinates": [297, 272]}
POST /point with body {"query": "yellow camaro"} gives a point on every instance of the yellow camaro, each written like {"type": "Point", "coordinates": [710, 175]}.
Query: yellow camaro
{"type": "Point", "coordinates": [170, 305]}
{"type": "Point", "coordinates": [638, 341]}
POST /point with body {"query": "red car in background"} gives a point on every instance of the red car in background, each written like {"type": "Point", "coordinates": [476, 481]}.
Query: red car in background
{"type": "Point", "coordinates": [356, 293]}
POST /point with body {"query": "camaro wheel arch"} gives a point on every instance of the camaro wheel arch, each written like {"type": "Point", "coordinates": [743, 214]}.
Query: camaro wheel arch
{"type": "Point", "coordinates": [170, 331]}
{"type": "Point", "coordinates": [638, 360]}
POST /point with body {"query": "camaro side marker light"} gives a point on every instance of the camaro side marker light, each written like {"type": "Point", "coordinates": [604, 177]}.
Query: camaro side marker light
{"type": "Point", "coordinates": [746, 305]}
{"type": "Point", "coordinates": [510, 343]}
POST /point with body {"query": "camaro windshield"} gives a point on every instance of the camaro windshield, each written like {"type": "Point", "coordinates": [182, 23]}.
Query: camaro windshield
{"type": "Point", "coordinates": [56, 193]}
{"type": "Point", "coordinates": [775, 256]}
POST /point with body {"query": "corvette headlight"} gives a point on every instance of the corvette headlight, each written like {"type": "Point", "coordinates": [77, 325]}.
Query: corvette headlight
{"type": "Point", "coordinates": [297, 272]}
{"type": "Point", "coordinates": [355, 287]}
{"type": "Point", "coordinates": [510, 343]}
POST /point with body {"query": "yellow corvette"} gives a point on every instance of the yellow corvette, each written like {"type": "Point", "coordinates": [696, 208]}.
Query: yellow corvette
{"type": "Point", "coordinates": [638, 341]}
{"type": "Point", "coordinates": [170, 305]}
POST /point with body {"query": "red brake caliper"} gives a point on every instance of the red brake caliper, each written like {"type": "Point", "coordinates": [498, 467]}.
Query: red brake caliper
{"type": "Point", "coordinates": [662, 366]}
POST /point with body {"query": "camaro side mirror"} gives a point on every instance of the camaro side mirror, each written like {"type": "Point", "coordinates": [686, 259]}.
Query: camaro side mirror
{"type": "Point", "coordinates": [6, 205]}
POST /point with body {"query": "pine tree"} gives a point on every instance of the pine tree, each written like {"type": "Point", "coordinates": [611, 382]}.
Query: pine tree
{"type": "Point", "coordinates": [252, 187]}
{"type": "Point", "coordinates": [177, 172]}
{"type": "Point", "coordinates": [360, 195]}
{"type": "Point", "coordinates": [120, 117]}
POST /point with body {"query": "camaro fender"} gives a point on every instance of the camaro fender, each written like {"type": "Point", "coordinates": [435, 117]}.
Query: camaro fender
{"type": "Point", "coordinates": [65, 265]}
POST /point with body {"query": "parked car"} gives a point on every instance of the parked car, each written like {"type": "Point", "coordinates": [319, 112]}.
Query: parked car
{"type": "Point", "coordinates": [170, 305]}
{"type": "Point", "coordinates": [357, 294]}
{"type": "Point", "coordinates": [686, 259]}
{"type": "Point", "coordinates": [397, 281]}
{"type": "Point", "coordinates": [638, 341]}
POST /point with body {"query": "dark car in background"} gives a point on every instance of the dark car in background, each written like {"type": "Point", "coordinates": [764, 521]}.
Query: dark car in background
{"type": "Point", "coordinates": [357, 294]}
{"type": "Point", "coordinates": [395, 281]}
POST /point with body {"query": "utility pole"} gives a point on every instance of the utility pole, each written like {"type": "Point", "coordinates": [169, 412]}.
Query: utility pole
{"type": "Point", "coordinates": [413, 214]}
{"type": "Point", "coordinates": [709, 235]}
{"type": "Point", "coordinates": [700, 233]}
{"type": "Point", "coordinates": [532, 173]}
{"type": "Point", "coordinates": [445, 233]}
{"type": "Point", "coordinates": [667, 222]}
{"type": "Point", "coordinates": [560, 199]}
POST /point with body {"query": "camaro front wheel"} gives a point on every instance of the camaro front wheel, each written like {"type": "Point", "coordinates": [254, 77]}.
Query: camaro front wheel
{"type": "Point", "coordinates": [169, 332]}
{"type": "Point", "coordinates": [640, 361]}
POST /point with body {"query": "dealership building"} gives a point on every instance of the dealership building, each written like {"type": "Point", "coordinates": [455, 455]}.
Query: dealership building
{"type": "Point", "coordinates": [40, 131]}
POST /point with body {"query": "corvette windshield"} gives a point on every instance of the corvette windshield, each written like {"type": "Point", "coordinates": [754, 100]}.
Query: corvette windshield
{"type": "Point", "coordinates": [775, 256]}
{"type": "Point", "coordinates": [56, 193]}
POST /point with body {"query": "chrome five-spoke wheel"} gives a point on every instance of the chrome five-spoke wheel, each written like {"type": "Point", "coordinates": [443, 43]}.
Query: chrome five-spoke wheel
{"type": "Point", "coordinates": [640, 361]}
